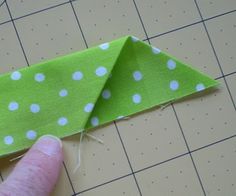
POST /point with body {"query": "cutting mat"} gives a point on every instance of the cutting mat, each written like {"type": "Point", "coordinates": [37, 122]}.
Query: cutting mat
{"type": "Point", "coordinates": [188, 148]}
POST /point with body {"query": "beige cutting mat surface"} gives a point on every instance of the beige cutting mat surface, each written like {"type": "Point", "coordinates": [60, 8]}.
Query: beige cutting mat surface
{"type": "Point", "coordinates": [189, 148]}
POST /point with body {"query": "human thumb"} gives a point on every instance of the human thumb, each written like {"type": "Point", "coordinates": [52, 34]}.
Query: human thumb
{"type": "Point", "coordinates": [37, 172]}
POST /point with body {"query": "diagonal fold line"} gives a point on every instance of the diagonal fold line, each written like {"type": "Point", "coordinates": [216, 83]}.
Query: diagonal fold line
{"type": "Point", "coordinates": [107, 78]}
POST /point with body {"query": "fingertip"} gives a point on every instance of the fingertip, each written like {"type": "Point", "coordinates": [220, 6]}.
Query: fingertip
{"type": "Point", "coordinates": [38, 171]}
{"type": "Point", "coordinates": [49, 145]}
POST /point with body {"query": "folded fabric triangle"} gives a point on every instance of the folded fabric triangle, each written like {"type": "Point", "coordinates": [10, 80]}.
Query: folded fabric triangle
{"type": "Point", "coordinates": [82, 90]}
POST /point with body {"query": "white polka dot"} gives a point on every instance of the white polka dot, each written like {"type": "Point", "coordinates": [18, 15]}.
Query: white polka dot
{"type": "Point", "coordinates": [104, 46]}
{"type": "Point", "coordinates": [34, 108]}
{"type": "Point", "coordinates": [101, 71]}
{"type": "Point", "coordinates": [78, 75]}
{"type": "Point", "coordinates": [63, 93]}
{"type": "Point", "coordinates": [94, 121]}
{"type": "Point", "coordinates": [156, 50]}
{"type": "Point", "coordinates": [89, 107]}
{"type": "Point", "coordinates": [62, 121]}
{"type": "Point", "coordinates": [106, 94]}
{"type": "Point", "coordinates": [120, 117]}
{"type": "Point", "coordinates": [16, 75]}
{"type": "Point", "coordinates": [13, 106]}
{"type": "Point", "coordinates": [137, 98]}
{"type": "Point", "coordinates": [174, 85]}
{"type": "Point", "coordinates": [39, 77]}
{"type": "Point", "coordinates": [137, 75]}
{"type": "Point", "coordinates": [171, 64]}
{"type": "Point", "coordinates": [31, 134]}
{"type": "Point", "coordinates": [8, 140]}
{"type": "Point", "coordinates": [200, 87]}
{"type": "Point", "coordinates": [134, 39]}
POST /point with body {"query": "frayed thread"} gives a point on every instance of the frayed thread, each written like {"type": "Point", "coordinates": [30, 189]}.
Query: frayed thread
{"type": "Point", "coordinates": [165, 106]}
{"type": "Point", "coordinates": [18, 157]}
{"type": "Point", "coordinates": [82, 134]}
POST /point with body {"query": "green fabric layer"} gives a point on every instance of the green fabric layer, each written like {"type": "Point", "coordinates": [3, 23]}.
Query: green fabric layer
{"type": "Point", "coordinates": [72, 93]}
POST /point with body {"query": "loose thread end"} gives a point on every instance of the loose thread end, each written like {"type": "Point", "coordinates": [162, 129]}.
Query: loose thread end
{"type": "Point", "coordinates": [165, 106]}
{"type": "Point", "coordinates": [94, 138]}
{"type": "Point", "coordinates": [80, 149]}
{"type": "Point", "coordinates": [77, 166]}
{"type": "Point", "coordinates": [16, 158]}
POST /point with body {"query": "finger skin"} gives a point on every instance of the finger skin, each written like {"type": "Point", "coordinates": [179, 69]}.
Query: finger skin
{"type": "Point", "coordinates": [37, 172]}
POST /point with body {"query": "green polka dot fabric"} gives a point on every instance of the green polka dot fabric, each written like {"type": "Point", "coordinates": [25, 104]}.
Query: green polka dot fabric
{"type": "Point", "coordinates": [85, 89]}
